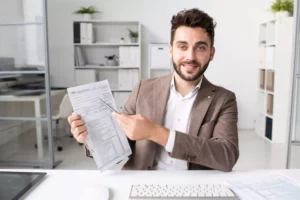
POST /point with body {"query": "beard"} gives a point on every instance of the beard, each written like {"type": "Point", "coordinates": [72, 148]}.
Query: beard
{"type": "Point", "coordinates": [203, 68]}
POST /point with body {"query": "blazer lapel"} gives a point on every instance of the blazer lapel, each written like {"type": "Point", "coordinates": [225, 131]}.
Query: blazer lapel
{"type": "Point", "coordinates": [161, 94]}
{"type": "Point", "coordinates": [202, 102]}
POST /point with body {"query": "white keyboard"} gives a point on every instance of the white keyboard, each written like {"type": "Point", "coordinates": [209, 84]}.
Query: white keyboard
{"type": "Point", "coordinates": [201, 191]}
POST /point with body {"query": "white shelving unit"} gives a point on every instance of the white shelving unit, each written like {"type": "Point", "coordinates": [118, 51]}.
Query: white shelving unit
{"type": "Point", "coordinates": [159, 60]}
{"type": "Point", "coordinates": [105, 40]}
{"type": "Point", "coordinates": [274, 71]}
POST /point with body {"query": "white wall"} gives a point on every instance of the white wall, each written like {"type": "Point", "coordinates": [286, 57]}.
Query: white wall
{"type": "Point", "coordinates": [236, 40]}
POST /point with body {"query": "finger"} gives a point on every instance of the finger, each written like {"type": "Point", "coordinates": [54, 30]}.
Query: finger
{"type": "Point", "coordinates": [82, 137]}
{"type": "Point", "coordinates": [77, 123]}
{"type": "Point", "coordinates": [73, 117]}
{"type": "Point", "coordinates": [78, 130]}
{"type": "Point", "coordinates": [122, 118]}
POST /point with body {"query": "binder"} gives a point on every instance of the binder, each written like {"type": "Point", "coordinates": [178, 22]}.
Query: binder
{"type": "Point", "coordinates": [76, 32]}
{"type": "Point", "coordinates": [83, 28]}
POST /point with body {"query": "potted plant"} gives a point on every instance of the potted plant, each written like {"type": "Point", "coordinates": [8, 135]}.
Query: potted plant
{"type": "Point", "coordinates": [87, 12]}
{"type": "Point", "coordinates": [111, 60]}
{"type": "Point", "coordinates": [133, 35]}
{"type": "Point", "coordinates": [283, 8]}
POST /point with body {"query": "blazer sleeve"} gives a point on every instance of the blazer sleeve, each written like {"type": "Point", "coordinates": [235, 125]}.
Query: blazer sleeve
{"type": "Point", "coordinates": [129, 109]}
{"type": "Point", "coordinates": [219, 152]}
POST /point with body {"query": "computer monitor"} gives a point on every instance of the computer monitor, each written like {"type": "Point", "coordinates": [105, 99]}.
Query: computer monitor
{"type": "Point", "coordinates": [15, 184]}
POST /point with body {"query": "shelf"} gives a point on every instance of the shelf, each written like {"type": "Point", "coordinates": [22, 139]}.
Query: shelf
{"type": "Point", "coordinates": [104, 67]}
{"type": "Point", "coordinates": [260, 90]}
{"type": "Point", "coordinates": [271, 45]}
{"type": "Point", "coordinates": [9, 76]}
{"type": "Point", "coordinates": [21, 23]}
{"type": "Point", "coordinates": [107, 44]}
{"type": "Point", "coordinates": [23, 72]}
{"type": "Point", "coordinates": [295, 143]}
{"type": "Point", "coordinates": [24, 118]}
{"type": "Point", "coordinates": [268, 92]}
{"type": "Point", "coordinates": [104, 22]}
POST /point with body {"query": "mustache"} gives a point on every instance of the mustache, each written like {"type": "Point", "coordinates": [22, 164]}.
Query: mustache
{"type": "Point", "coordinates": [193, 62]}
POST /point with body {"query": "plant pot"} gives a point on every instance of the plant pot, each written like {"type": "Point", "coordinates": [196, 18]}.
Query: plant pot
{"type": "Point", "coordinates": [283, 14]}
{"type": "Point", "coordinates": [111, 63]}
{"type": "Point", "coordinates": [133, 39]}
{"type": "Point", "coordinates": [87, 17]}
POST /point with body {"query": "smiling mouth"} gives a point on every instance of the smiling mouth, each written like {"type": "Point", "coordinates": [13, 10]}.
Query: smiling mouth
{"type": "Point", "coordinates": [190, 67]}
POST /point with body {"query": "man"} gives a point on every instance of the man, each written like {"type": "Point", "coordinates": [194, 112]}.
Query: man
{"type": "Point", "coordinates": [180, 121]}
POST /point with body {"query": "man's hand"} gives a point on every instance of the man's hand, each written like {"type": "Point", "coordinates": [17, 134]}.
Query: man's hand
{"type": "Point", "coordinates": [78, 128]}
{"type": "Point", "coordinates": [138, 127]}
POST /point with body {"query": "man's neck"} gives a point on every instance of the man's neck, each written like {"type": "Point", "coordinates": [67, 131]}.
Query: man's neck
{"type": "Point", "coordinates": [185, 87]}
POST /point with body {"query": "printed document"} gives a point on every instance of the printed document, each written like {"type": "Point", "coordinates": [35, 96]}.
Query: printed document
{"type": "Point", "coordinates": [273, 186]}
{"type": "Point", "coordinates": [106, 141]}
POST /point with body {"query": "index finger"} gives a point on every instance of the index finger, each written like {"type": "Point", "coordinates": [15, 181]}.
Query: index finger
{"type": "Point", "coordinates": [122, 118]}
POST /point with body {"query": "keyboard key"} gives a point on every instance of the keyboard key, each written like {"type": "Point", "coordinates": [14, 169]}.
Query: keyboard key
{"type": "Point", "coordinates": [216, 194]}
{"type": "Point", "coordinates": [194, 194]}
{"type": "Point", "coordinates": [201, 194]}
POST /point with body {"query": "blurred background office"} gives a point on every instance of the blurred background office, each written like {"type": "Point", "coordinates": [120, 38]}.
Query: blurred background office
{"type": "Point", "coordinates": [48, 46]}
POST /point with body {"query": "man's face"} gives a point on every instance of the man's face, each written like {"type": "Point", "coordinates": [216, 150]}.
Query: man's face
{"type": "Point", "coordinates": [191, 52]}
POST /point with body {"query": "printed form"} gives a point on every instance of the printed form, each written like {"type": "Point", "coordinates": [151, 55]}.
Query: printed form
{"type": "Point", "coordinates": [273, 186]}
{"type": "Point", "coordinates": [106, 141]}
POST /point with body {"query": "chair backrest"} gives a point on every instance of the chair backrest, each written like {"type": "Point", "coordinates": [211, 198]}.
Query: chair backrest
{"type": "Point", "coordinates": [65, 107]}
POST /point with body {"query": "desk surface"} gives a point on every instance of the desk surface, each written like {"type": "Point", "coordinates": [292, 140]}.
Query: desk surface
{"type": "Point", "coordinates": [70, 184]}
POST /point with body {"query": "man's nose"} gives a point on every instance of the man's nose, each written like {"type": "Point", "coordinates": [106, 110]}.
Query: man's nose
{"type": "Point", "coordinates": [190, 54]}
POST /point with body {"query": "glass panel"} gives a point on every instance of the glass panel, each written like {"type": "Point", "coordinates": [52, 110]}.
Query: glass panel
{"type": "Point", "coordinates": [20, 11]}
{"type": "Point", "coordinates": [297, 120]}
{"type": "Point", "coordinates": [19, 139]}
{"type": "Point", "coordinates": [295, 161]}
{"type": "Point", "coordinates": [22, 48]}
{"type": "Point", "coordinates": [25, 96]}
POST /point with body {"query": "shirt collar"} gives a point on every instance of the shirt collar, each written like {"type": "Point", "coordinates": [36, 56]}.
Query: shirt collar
{"type": "Point", "coordinates": [197, 87]}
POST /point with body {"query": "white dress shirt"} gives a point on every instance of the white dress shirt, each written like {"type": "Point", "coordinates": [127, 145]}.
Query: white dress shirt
{"type": "Point", "coordinates": [177, 118]}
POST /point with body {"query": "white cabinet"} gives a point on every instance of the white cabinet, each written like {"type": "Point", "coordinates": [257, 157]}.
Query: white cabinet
{"type": "Point", "coordinates": [159, 60]}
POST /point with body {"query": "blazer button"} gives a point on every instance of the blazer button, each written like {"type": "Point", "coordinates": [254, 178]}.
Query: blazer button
{"type": "Point", "coordinates": [149, 167]}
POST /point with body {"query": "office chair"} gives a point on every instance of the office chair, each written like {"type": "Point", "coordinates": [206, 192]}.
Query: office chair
{"type": "Point", "coordinates": [65, 109]}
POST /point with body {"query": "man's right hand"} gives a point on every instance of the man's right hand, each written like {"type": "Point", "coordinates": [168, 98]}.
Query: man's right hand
{"type": "Point", "coordinates": [78, 128]}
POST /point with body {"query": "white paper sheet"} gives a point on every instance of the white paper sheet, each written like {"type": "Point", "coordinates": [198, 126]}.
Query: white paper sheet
{"type": "Point", "coordinates": [106, 141]}
{"type": "Point", "coordinates": [274, 186]}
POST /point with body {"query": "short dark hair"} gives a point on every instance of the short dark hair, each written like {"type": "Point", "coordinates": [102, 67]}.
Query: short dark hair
{"type": "Point", "coordinates": [193, 18]}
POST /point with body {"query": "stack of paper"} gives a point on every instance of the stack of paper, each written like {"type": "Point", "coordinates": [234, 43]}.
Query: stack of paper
{"type": "Point", "coordinates": [275, 186]}
{"type": "Point", "coordinates": [106, 141]}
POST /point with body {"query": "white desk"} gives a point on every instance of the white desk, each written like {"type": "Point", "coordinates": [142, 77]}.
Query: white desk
{"type": "Point", "coordinates": [36, 99]}
{"type": "Point", "coordinates": [69, 184]}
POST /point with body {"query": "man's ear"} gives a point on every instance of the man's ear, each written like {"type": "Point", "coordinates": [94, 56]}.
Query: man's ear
{"type": "Point", "coordinates": [212, 53]}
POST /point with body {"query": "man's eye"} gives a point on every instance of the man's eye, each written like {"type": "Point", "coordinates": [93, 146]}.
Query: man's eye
{"type": "Point", "coordinates": [201, 48]}
{"type": "Point", "coordinates": [182, 47]}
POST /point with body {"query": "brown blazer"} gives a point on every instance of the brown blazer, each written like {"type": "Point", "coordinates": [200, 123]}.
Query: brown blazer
{"type": "Point", "coordinates": [212, 142]}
